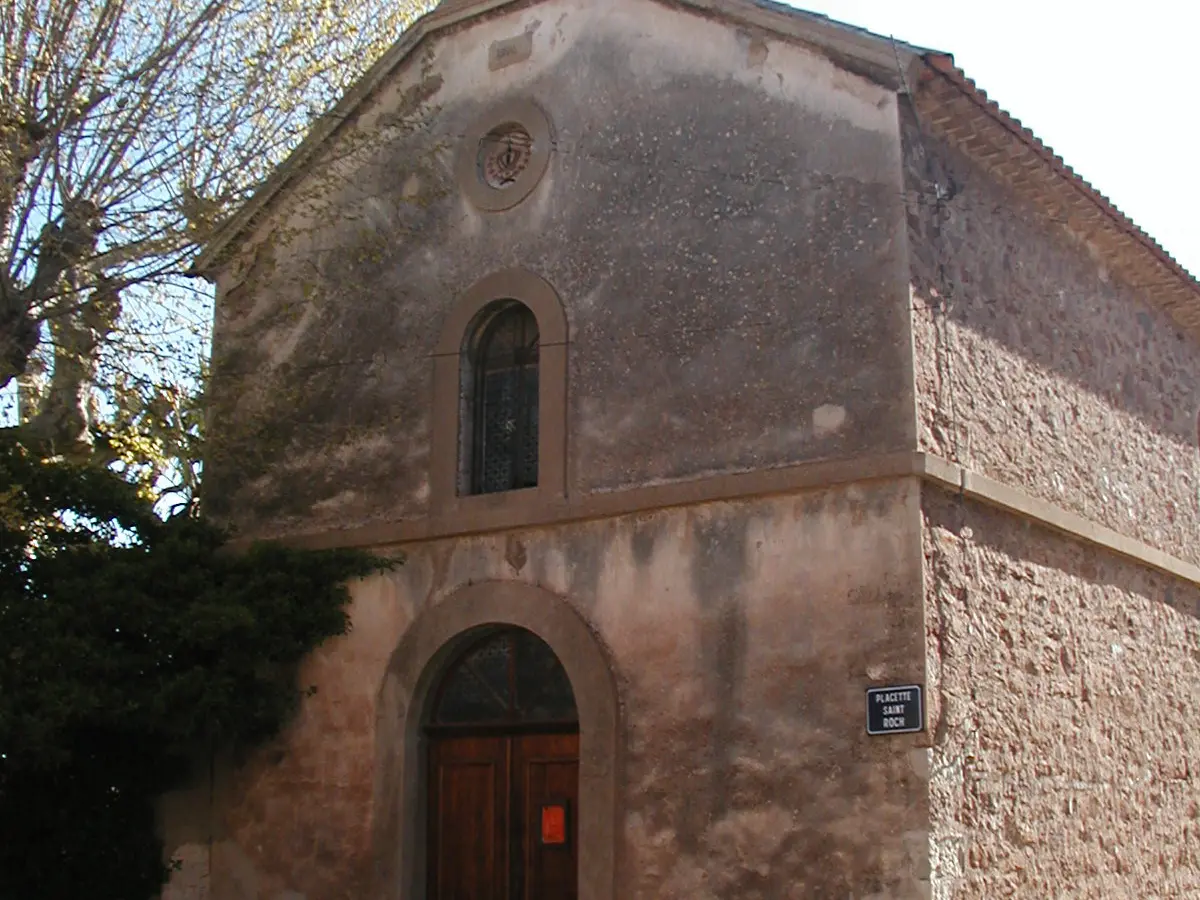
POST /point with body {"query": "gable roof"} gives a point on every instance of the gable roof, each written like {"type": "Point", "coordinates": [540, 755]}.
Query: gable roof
{"type": "Point", "coordinates": [855, 49]}
{"type": "Point", "coordinates": [948, 102]}
{"type": "Point", "coordinates": [951, 105]}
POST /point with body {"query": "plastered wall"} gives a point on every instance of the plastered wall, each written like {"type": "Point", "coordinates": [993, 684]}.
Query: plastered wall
{"type": "Point", "coordinates": [742, 637]}
{"type": "Point", "coordinates": [721, 218]}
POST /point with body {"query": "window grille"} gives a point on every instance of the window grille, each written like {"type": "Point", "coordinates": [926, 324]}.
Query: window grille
{"type": "Point", "coordinates": [505, 401]}
{"type": "Point", "coordinates": [509, 677]}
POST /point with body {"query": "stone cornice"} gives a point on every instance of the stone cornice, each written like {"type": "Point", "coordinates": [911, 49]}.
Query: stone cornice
{"type": "Point", "coordinates": [749, 485]}
{"type": "Point", "coordinates": [1013, 500]}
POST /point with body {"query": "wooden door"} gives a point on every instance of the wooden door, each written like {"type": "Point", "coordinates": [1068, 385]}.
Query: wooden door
{"type": "Point", "coordinates": [503, 816]}
{"type": "Point", "coordinates": [468, 805]}
{"type": "Point", "coordinates": [544, 812]}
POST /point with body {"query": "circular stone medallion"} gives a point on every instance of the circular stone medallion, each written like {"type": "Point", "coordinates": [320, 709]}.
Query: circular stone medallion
{"type": "Point", "coordinates": [504, 155]}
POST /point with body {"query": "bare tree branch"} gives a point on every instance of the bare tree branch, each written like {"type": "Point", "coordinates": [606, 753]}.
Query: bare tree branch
{"type": "Point", "coordinates": [128, 130]}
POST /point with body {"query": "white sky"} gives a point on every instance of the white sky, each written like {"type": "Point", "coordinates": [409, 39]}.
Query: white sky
{"type": "Point", "coordinates": [1109, 86]}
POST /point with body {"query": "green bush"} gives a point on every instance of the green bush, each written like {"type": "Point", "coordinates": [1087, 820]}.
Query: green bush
{"type": "Point", "coordinates": [128, 644]}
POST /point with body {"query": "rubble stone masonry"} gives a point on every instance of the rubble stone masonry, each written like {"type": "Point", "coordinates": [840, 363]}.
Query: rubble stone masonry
{"type": "Point", "coordinates": [1062, 686]}
{"type": "Point", "coordinates": [1035, 368]}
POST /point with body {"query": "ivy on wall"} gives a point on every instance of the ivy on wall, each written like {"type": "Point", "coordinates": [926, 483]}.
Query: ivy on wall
{"type": "Point", "coordinates": [127, 645]}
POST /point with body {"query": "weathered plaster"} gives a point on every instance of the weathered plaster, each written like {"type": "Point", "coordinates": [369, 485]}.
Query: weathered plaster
{"type": "Point", "coordinates": [722, 219]}
{"type": "Point", "coordinates": [429, 643]}
{"type": "Point", "coordinates": [741, 639]}
{"type": "Point", "coordinates": [725, 231]}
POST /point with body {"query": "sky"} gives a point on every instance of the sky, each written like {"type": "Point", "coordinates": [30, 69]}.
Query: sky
{"type": "Point", "coordinates": [1111, 87]}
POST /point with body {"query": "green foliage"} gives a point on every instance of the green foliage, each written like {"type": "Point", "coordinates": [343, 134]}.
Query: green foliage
{"type": "Point", "coordinates": [128, 644]}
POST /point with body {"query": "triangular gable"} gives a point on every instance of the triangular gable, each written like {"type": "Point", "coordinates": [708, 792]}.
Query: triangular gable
{"type": "Point", "coordinates": [949, 102]}
{"type": "Point", "coordinates": [878, 58]}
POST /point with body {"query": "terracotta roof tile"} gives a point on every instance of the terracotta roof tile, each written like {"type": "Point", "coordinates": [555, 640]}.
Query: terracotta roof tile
{"type": "Point", "coordinates": [945, 82]}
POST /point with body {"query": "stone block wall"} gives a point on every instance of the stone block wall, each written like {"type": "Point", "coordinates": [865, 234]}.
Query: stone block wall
{"type": "Point", "coordinates": [1038, 369]}
{"type": "Point", "coordinates": [1061, 685]}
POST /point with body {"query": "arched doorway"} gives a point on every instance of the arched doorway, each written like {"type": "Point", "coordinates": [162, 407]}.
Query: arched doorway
{"type": "Point", "coordinates": [503, 769]}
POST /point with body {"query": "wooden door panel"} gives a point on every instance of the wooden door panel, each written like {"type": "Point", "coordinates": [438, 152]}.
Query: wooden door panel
{"type": "Point", "coordinates": [486, 799]}
{"type": "Point", "coordinates": [545, 773]}
{"type": "Point", "coordinates": [468, 805]}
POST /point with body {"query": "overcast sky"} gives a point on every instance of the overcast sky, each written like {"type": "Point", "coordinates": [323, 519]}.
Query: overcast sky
{"type": "Point", "coordinates": [1111, 87]}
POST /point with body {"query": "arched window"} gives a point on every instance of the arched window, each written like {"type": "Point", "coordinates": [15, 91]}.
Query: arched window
{"type": "Point", "coordinates": [499, 416]}
{"type": "Point", "coordinates": [503, 400]}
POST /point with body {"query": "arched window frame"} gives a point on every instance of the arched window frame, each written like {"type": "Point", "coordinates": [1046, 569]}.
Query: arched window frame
{"type": "Point", "coordinates": [450, 462]}
{"type": "Point", "coordinates": [524, 648]}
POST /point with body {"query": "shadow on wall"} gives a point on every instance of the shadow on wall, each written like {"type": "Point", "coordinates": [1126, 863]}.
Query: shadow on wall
{"type": "Point", "coordinates": [1023, 558]}
{"type": "Point", "coordinates": [1012, 277]}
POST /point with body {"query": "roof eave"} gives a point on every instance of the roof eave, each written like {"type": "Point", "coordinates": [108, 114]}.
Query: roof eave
{"type": "Point", "coordinates": [1176, 289]}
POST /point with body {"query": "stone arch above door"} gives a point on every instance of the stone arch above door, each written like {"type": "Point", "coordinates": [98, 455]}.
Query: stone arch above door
{"type": "Point", "coordinates": [434, 638]}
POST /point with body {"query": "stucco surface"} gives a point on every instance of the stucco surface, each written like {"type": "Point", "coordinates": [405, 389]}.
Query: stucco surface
{"type": "Point", "coordinates": [1036, 368]}
{"type": "Point", "coordinates": [1062, 685]}
{"type": "Point", "coordinates": [721, 216]}
{"type": "Point", "coordinates": [742, 638]}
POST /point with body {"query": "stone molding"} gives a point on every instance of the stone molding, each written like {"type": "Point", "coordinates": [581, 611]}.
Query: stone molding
{"type": "Point", "coordinates": [929, 468]}
{"type": "Point", "coordinates": [529, 116]}
{"type": "Point", "coordinates": [445, 468]}
{"type": "Point", "coordinates": [1049, 515]}
{"type": "Point", "coordinates": [876, 57]}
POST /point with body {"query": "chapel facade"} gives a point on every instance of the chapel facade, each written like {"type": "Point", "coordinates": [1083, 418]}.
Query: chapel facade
{"type": "Point", "coordinates": [794, 464]}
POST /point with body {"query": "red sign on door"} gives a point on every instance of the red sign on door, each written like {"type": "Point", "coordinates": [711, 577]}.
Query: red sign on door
{"type": "Point", "coordinates": [554, 824]}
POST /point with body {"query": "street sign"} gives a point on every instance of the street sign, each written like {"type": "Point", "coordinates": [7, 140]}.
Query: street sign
{"type": "Point", "coordinates": [895, 710]}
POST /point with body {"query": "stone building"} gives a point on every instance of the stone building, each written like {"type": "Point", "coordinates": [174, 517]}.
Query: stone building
{"type": "Point", "coordinates": [712, 364]}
